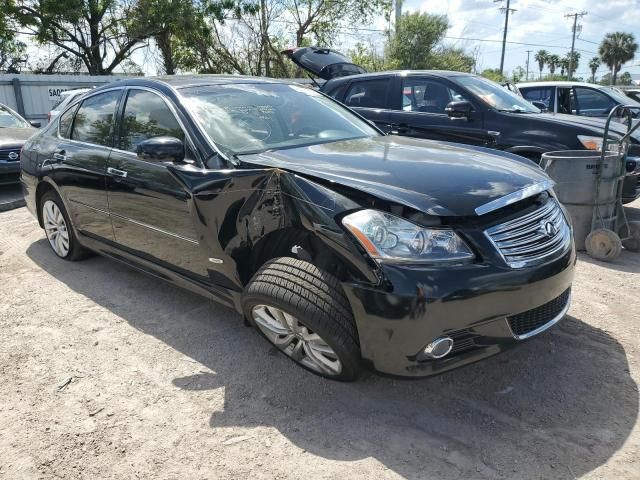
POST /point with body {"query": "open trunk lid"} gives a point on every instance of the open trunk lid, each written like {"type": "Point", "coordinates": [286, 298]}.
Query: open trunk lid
{"type": "Point", "coordinates": [323, 62]}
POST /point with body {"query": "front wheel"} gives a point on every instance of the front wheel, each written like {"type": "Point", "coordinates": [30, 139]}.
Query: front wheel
{"type": "Point", "coordinates": [304, 312]}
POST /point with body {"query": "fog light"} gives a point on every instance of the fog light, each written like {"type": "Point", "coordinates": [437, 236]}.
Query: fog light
{"type": "Point", "coordinates": [439, 348]}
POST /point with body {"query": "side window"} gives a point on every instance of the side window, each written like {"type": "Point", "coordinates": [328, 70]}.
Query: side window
{"type": "Point", "coordinates": [94, 120]}
{"type": "Point", "coordinates": [592, 102]}
{"type": "Point", "coordinates": [146, 115]}
{"type": "Point", "coordinates": [337, 92]}
{"type": "Point", "coordinates": [541, 94]}
{"type": "Point", "coordinates": [66, 119]}
{"type": "Point", "coordinates": [369, 93]}
{"type": "Point", "coordinates": [425, 95]}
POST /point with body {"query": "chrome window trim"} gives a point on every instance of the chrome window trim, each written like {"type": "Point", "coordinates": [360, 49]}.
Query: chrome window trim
{"type": "Point", "coordinates": [544, 327]}
{"type": "Point", "coordinates": [514, 197]}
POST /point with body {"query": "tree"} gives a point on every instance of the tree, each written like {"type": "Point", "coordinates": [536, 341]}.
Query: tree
{"type": "Point", "coordinates": [416, 44]}
{"type": "Point", "coordinates": [12, 50]}
{"type": "Point", "coordinates": [616, 49]}
{"type": "Point", "coordinates": [574, 64]}
{"type": "Point", "coordinates": [102, 33]}
{"type": "Point", "coordinates": [493, 74]}
{"type": "Point", "coordinates": [322, 19]}
{"type": "Point", "coordinates": [564, 65]}
{"type": "Point", "coordinates": [518, 74]}
{"type": "Point", "coordinates": [367, 57]}
{"type": "Point", "coordinates": [553, 61]}
{"type": "Point", "coordinates": [541, 56]}
{"type": "Point", "coordinates": [594, 65]}
{"type": "Point", "coordinates": [625, 79]}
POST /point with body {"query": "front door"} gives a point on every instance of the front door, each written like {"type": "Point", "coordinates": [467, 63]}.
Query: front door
{"type": "Point", "coordinates": [419, 111]}
{"type": "Point", "coordinates": [78, 164]}
{"type": "Point", "coordinates": [150, 207]}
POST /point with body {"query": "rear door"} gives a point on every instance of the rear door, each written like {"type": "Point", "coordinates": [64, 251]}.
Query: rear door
{"type": "Point", "coordinates": [419, 111]}
{"type": "Point", "coordinates": [545, 95]}
{"type": "Point", "coordinates": [150, 207]}
{"type": "Point", "coordinates": [592, 103]}
{"type": "Point", "coordinates": [78, 163]}
{"type": "Point", "coordinates": [370, 97]}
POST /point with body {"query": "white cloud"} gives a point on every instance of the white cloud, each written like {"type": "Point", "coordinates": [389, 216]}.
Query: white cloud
{"type": "Point", "coordinates": [537, 22]}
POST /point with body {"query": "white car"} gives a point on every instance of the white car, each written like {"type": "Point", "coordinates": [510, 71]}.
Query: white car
{"type": "Point", "coordinates": [65, 99]}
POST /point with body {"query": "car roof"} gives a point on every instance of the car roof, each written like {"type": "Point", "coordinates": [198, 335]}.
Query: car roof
{"type": "Point", "coordinates": [405, 73]}
{"type": "Point", "coordinates": [183, 81]}
{"type": "Point", "coordinates": [75, 91]}
{"type": "Point", "coordinates": [558, 83]}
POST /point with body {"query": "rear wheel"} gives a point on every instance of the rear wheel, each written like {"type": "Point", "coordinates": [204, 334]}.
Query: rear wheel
{"type": "Point", "coordinates": [303, 312]}
{"type": "Point", "coordinates": [58, 229]}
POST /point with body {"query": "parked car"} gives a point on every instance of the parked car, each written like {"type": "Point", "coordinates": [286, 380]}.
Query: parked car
{"type": "Point", "coordinates": [343, 246]}
{"type": "Point", "coordinates": [575, 98]}
{"type": "Point", "coordinates": [632, 93]}
{"type": "Point", "coordinates": [65, 100]}
{"type": "Point", "coordinates": [14, 130]}
{"type": "Point", "coordinates": [458, 107]}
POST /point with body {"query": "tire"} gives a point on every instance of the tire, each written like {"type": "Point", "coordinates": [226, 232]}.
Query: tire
{"type": "Point", "coordinates": [632, 243]}
{"type": "Point", "coordinates": [304, 312]}
{"type": "Point", "coordinates": [603, 244]}
{"type": "Point", "coordinates": [61, 236]}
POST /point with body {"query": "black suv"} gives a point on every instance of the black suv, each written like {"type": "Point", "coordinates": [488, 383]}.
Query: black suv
{"type": "Point", "coordinates": [458, 107]}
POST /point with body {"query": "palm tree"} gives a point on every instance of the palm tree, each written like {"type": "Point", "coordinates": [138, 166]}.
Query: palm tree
{"type": "Point", "coordinates": [616, 49]}
{"type": "Point", "coordinates": [553, 61]}
{"type": "Point", "coordinates": [573, 65]}
{"type": "Point", "coordinates": [541, 57]}
{"type": "Point", "coordinates": [594, 65]}
{"type": "Point", "coordinates": [564, 65]}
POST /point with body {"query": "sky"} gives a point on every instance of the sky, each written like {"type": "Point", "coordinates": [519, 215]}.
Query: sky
{"type": "Point", "coordinates": [539, 22]}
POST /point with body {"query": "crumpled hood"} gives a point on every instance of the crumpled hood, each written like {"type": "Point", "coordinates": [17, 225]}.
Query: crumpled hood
{"type": "Point", "coordinates": [437, 178]}
{"type": "Point", "coordinates": [15, 136]}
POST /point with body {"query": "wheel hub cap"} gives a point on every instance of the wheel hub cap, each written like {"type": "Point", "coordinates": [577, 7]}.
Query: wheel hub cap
{"type": "Point", "coordinates": [55, 228]}
{"type": "Point", "coordinates": [296, 340]}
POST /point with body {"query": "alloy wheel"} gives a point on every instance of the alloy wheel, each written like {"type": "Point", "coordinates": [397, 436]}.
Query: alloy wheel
{"type": "Point", "coordinates": [55, 228]}
{"type": "Point", "coordinates": [296, 340]}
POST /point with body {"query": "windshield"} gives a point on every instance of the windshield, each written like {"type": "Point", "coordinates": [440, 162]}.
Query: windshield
{"type": "Point", "coordinates": [496, 96]}
{"type": "Point", "coordinates": [9, 119]}
{"type": "Point", "coordinates": [251, 118]}
{"type": "Point", "coordinates": [620, 97]}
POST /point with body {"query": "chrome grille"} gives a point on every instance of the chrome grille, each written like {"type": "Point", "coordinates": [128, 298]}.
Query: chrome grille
{"type": "Point", "coordinates": [532, 238]}
{"type": "Point", "coordinates": [5, 154]}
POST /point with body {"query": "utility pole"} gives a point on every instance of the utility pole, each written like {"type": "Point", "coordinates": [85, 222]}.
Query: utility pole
{"type": "Point", "coordinates": [573, 39]}
{"type": "Point", "coordinates": [507, 10]}
{"type": "Point", "coordinates": [528, 53]}
{"type": "Point", "coordinates": [398, 13]}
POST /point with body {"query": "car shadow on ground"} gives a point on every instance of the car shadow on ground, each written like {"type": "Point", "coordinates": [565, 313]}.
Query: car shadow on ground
{"type": "Point", "coordinates": [557, 407]}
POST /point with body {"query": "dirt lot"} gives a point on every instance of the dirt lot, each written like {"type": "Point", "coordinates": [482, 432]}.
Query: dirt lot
{"type": "Point", "coordinates": [108, 373]}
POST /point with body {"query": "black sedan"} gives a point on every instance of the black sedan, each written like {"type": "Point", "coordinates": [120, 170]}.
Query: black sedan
{"type": "Point", "coordinates": [14, 130]}
{"type": "Point", "coordinates": [346, 248]}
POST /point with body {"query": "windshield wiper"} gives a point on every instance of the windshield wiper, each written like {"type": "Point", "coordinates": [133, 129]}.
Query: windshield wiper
{"type": "Point", "coordinates": [513, 110]}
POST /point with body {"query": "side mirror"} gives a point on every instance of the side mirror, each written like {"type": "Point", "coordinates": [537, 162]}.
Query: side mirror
{"type": "Point", "coordinates": [161, 149]}
{"type": "Point", "coordinates": [459, 109]}
{"type": "Point", "coordinates": [35, 124]}
{"type": "Point", "coordinates": [541, 105]}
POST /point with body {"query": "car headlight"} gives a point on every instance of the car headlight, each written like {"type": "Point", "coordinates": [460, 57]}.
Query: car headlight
{"type": "Point", "coordinates": [595, 143]}
{"type": "Point", "coordinates": [386, 237]}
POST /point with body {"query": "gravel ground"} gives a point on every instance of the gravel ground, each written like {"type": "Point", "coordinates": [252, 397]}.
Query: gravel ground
{"type": "Point", "coordinates": [108, 373]}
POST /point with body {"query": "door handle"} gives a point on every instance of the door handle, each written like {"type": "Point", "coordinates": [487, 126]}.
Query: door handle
{"type": "Point", "coordinates": [59, 156]}
{"type": "Point", "coordinates": [116, 173]}
{"type": "Point", "coordinates": [399, 129]}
